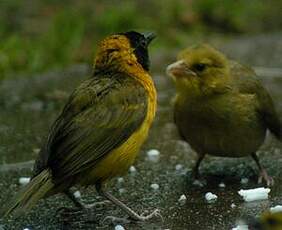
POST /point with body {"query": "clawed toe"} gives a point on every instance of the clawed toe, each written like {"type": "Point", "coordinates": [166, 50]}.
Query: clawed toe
{"type": "Point", "coordinates": [141, 218]}
{"type": "Point", "coordinates": [265, 177]}
{"type": "Point", "coordinates": [155, 213]}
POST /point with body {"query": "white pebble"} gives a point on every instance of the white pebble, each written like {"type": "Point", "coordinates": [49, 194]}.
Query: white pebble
{"type": "Point", "coordinates": [198, 183]}
{"type": "Point", "coordinates": [221, 185]}
{"type": "Point", "coordinates": [254, 194]}
{"type": "Point", "coordinates": [178, 167]}
{"type": "Point", "coordinates": [120, 180]}
{"type": "Point", "coordinates": [244, 181]}
{"type": "Point", "coordinates": [119, 227]}
{"type": "Point", "coordinates": [277, 208]}
{"type": "Point", "coordinates": [182, 199]}
{"type": "Point", "coordinates": [77, 194]}
{"type": "Point", "coordinates": [241, 227]}
{"type": "Point", "coordinates": [153, 155]}
{"type": "Point", "coordinates": [233, 205]}
{"type": "Point", "coordinates": [121, 190]}
{"type": "Point", "coordinates": [210, 196]}
{"type": "Point", "coordinates": [26, 229]}
{"type": "Point", "coordinates": [155, 186]}
{"type": "Point", "coordinates": [24, 180]}
{"type": "Point", "coordinates": [132, 169]}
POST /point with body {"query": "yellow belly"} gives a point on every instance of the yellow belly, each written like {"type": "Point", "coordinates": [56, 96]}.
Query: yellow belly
{"type": "Point", "coordinates": [120, 159]}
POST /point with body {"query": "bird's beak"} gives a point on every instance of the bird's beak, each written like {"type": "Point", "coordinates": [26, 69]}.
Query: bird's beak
{"type": "Point", "coordinates": [149, 36]}
{"type": "Point", "coordinates": [179, 69]}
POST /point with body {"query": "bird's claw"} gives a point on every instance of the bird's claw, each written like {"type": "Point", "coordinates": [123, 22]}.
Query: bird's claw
{"type": "Point", "coordinates": [265, 177]}
{"type": "Point", "coordinates": [155, 213]}
{"type": "Point", "coordinates": [114, 220]}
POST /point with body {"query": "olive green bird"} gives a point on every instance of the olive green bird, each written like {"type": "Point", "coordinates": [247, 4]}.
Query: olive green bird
{"type": "Point", "coordinates": [221, 108]}
{"type": "Point", "coordinates": [101, 128]}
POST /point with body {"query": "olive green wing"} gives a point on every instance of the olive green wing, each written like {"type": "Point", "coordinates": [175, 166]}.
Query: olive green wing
{"type": "Point", "coordinates": [99, 116]}
{"type": "Point", "coordinates": [247, 82]}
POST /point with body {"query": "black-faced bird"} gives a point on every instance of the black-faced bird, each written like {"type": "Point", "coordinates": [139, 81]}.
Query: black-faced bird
{"type": "Point", "coordinates": [100, 131]}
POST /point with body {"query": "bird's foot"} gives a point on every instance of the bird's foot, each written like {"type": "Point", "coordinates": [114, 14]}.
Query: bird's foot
{"type": "Point", "coordinates": [134, 217]}
{"type": "Point", "coordinates": [265, 177]}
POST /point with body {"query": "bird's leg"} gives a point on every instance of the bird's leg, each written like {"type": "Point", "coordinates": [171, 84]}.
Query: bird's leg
{"type": "Point", "coordinates": [196, 167]}
{"type": "Point", "coordinates": [195, 173]}
{"type": "Point", "coordinates": [263, 174]}
{"type": "Point", "coordinates": [80, 205]}
{"type": "Point", "coordinates": [133, 215]}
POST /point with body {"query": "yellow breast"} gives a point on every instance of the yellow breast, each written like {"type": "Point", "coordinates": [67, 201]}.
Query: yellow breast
{"type": "Point", "coordinates": [119, 160]}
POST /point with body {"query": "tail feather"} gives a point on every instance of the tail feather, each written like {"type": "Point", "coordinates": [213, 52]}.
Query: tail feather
{"type": "Point", "coordinates": [36, 189]}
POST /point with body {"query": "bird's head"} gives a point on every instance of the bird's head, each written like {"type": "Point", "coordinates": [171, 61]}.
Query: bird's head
{"type": "Point", "coordinates": [200, 70]}
{"type": "Point", "coordinates": [124, 51]}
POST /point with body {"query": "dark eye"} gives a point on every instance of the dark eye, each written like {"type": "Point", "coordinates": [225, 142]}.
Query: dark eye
{"type": "Point", "coordinates": [143, 43]}
{"type": "Point", "coordinates": [199, 67]}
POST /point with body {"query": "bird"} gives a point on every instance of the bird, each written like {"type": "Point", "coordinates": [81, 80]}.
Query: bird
{"type": "Point", "coordinates": [220, 107]}
{"type": "Point", "coordinates": [101, 128]}
{"type": "Point", "coordinates": [266, 221]}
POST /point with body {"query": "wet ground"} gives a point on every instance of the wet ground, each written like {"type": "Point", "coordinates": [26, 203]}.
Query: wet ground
{"type": "Point", "coordinates": [28, 106]}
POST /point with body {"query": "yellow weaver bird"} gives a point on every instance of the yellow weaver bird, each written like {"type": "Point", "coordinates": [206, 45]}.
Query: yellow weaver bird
{"type": "Point", "coordinates": [101, 128]}
{"type": "Point", "coordinates": [221, 108]}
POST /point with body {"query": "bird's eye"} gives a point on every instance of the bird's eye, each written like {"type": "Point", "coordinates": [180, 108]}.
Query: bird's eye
{"type": "Point", "coordinates": [143, 43]}
{"type": "Point", "coordinates": [199, 67]}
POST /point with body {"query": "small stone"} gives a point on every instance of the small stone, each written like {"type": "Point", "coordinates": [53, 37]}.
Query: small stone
{"type": "Point", "coordinates": [120, 180]}
{"type": "Point", "coordinates": [244, 181]}
{"type": "Point", "coordinates": [233, 205]}
{"type": "Point", "coordinates": [221, 185]}
{"type": "Point", "coordinates": [155, 186]}
{"type": "Point", "coordinates": [24, 180]}
{"type": "Point", "coordinates": [277, 208]}
{"type": "Point", "coordinates": [121, 190]}
{"type": "Point", "coordinates": [119, 227]}
{"type": "Point", "coordinates": [198, 183]}
{"type": "Point", "coordinates": [182, 199]}
{"type": "Point", "coordinates": [153, 155]}
{"type": "Point", "coordinates": [210, 197]}
{"type": "Point", "coordinates": [250, 195]}
{"type": "Point", "coordinates": [77, 194]}
{"type": "Point", "coordinates": [241, 227]}
{"type": "Point", "coordinates": [178, 167]}
{"type": "Point", "coordinates": [132, 169]}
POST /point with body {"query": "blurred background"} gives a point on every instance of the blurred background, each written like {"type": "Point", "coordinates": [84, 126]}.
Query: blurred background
{"type": "Point", "coordinates": [41, 35]}
{"type": "Point", "coordinates": [47, 48]}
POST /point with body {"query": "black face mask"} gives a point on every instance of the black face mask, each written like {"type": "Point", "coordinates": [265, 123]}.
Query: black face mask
{"type": "Point", "coordinates": [140, 42]}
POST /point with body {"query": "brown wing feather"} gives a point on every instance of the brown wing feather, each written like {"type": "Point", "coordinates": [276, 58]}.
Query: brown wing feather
{"type": "Point", "coordinates": [247, 82]}
{"type": "Point", "coordinates": [99, 116]}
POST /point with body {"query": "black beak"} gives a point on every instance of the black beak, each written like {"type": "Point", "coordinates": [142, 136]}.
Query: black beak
{"type": "Point", "coordinates": [149, 36]}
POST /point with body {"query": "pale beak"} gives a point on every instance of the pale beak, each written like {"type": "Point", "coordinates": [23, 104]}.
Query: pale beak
{"type": "Point", "coordinates": [179, 69]}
